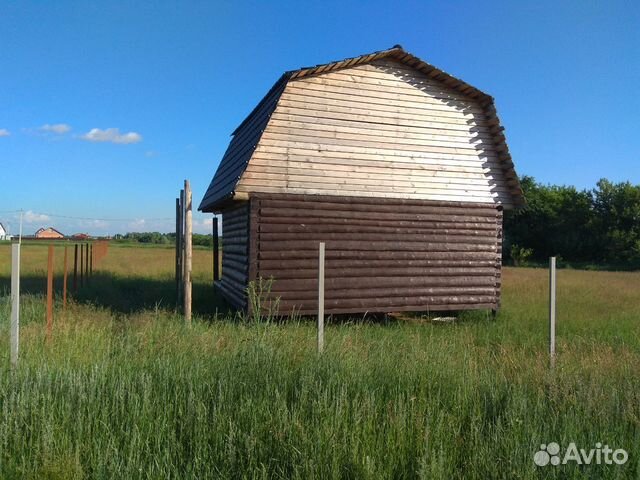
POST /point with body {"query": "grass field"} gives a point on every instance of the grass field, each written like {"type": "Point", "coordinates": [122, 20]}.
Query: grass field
{"type": "Point", "coordinates": [124, 390]}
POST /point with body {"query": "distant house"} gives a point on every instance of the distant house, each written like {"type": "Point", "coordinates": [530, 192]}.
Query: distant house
{"type": "Point", "coordinates": [3, 233]}
{"type": "Point", "coordinates": [49, 232]}
{"type": "Point", "coordinates": [80, 236]}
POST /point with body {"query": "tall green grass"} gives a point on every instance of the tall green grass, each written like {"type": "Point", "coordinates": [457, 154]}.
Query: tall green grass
{"type": "Point", "coordinates": [133, 393]}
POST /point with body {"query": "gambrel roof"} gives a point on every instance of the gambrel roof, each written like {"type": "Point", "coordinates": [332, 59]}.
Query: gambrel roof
{"type": "Point", "coordinates": [248, 134]}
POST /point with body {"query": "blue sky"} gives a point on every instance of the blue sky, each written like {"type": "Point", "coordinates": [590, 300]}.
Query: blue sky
{"type": "Point", "coordinates": [173, 79]}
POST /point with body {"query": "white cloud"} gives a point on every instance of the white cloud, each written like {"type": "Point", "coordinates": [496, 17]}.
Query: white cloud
{"type": "Point", "coordinates": [150, 154]}
{"type": "Point", "coordinates": [100, 224]}
{"type": "Point", "coordinates": [139, 223]}
{"type": "Point", "coordinates": [32, 217]}
{"type": "Point", "coordinates": [58, 128]}
{"type": "Point", "coordinates": [202, 223]}
{"type": "Point", "coordinates": [112, 135]}
{"type": "Point", "coordinates": [4, 132]}
{"type": "Point", "coordinates": [205, 222]}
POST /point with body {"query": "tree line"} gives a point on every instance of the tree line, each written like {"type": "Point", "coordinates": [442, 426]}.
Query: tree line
{"type": "Point", "coordinates": [598, 226]}
{"type": "Point", "coordinates": [158, 238]}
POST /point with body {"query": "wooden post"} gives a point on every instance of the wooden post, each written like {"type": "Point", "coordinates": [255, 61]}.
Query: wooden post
{"type": "Point", "coordinates": [321, 298]}
{"type": "Point", "coordinates": [178, 256]}
{"type": "Point", "coordinates": [182, 244]}
{"type": "Point", "coordinates": [75, 268]}
{"type": "Point", "coordinates": [91, 259]}
{"type": "Point", "coordinates": [181, 250]}
{"type": "Point", "coordinates": [64, 280]}
{"type": "Point", "coordinates": [15, 302]}
{"type": "Point", "coordinates": [216, 251]}
{"type": "Point", "coordinates": [187, 252]}
{"type": "Point", "coordinates": [552, 310]}
{"type": "Point", "coordinates": [50, 291]}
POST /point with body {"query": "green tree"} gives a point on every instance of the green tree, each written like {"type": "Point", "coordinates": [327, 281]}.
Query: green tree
{"type": "Point", "coordinates": [617, 221]}
{"type": "Point", "coordinates": [556, 221]}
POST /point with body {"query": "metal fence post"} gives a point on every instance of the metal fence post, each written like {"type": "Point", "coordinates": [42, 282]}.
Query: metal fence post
{"type": "Point", "coordinates": [552, 310]}
{"type": "Point", "coordinates": [64, 280]}
{"type": "Point", "coordinates": [216, 250]}
{"type": "Point", "coordinates": [49, 291]}
{"type": "Point", "coordinates": [321, 298]}
{"type": "Point", "coordinates": [15, 302]}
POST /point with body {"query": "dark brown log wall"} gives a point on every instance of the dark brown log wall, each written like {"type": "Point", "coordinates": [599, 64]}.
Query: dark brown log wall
{"type": "Point", "coordinates": [382, 255]}
{"type": "Point", "coordinates": [235, 253]}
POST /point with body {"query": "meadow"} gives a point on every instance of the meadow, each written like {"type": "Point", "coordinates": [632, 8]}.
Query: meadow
{"type": "Point", "coordinates": [123, 389]}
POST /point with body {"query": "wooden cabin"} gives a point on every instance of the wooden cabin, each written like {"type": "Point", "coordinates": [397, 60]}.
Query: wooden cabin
{"type": "Point", "coordinates": [400, 168]}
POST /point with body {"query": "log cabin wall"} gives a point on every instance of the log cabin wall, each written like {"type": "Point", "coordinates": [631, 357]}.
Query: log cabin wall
{"type": "Point", "coordinates": [382, 255]}
{"type": "Point", "coordinates": [235, 253]}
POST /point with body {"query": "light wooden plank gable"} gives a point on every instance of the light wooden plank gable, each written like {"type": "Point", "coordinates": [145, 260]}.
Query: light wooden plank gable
{"type": "Point", "coordinates": [378, 129]}
{"type": "Point", "coordinates": [245, 138]}
{"type": "Point", "coordinates": [384, 124]}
